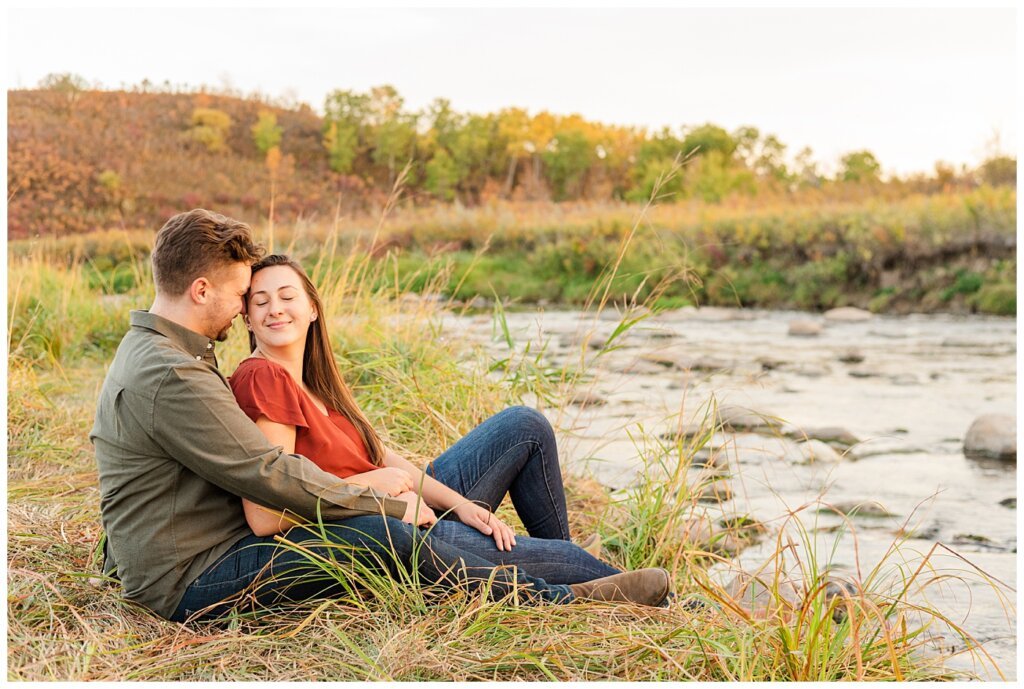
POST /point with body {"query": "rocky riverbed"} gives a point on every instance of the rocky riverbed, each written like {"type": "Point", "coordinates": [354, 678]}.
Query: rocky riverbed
{"type": "Point", "coordinates": [865, 414]}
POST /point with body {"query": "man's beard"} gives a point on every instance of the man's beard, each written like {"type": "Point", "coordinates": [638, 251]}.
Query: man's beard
{"type": "Point", "coordinates": [223, 334]}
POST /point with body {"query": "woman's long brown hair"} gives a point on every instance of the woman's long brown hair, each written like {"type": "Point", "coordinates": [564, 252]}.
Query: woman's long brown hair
{"type": "Point", "coordinates": [319, 371]}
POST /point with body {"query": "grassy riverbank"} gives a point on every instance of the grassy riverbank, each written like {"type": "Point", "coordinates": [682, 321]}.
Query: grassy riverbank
{"type": "Point", "coordinates": [952, 252]}
{"type": "Point", "coordinates": [425, 392]}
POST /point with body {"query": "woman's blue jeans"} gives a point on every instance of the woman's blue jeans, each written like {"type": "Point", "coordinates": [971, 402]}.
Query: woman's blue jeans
{"type": "Point", "coordinates": [511, 453]}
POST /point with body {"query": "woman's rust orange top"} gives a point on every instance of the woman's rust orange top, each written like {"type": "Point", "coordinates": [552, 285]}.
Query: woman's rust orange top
{"type": "Point", "coordinates": [264, 388]}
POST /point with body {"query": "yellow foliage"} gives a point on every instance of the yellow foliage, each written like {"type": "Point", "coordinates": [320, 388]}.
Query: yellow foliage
{"type": "Point", "coordinates": [273, 159]}
{"type": "Point", "coordinates": [210, 128]}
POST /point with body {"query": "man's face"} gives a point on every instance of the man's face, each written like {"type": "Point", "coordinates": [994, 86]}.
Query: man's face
{"type": "Point", "coordinates": [228, 286]}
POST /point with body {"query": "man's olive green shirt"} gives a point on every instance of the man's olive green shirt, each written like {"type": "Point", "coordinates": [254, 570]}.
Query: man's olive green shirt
{"type": "Point", "coordinates": [175, 453]}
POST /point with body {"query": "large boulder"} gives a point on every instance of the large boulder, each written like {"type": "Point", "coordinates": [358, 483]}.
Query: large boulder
{"type": "Point", "coordinates": [848, 314]}
{"type": "Point", "coordinates": [992, 435]}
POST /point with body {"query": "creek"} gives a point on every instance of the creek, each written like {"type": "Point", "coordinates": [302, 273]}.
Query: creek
{"type": "Point", "coordinates": [906, 388]}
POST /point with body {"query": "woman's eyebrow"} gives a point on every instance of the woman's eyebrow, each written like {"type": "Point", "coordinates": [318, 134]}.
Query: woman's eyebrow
{"type": "Point", "coordinates": [263, 291]}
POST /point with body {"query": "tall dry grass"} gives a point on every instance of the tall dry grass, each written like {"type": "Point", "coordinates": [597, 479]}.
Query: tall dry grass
{"type": "Point", "coordinates": [424, 390]}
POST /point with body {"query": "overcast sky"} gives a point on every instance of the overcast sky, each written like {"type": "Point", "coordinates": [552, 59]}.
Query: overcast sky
{"type": "Point", "coordinates": [912, 85]}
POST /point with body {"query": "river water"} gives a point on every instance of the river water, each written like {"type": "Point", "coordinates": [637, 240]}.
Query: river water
{"type": "Point", "coordinates": [909, 388]}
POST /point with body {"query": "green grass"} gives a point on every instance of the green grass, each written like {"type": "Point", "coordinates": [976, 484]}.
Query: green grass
{"type": "Point", "coordinates": [425, 392]}
{"type": "Point", "coordinates": [931, 253]}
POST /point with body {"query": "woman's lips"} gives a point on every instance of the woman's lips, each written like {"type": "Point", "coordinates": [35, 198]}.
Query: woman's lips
{"type": "Point", "coordinates": [278, 326]}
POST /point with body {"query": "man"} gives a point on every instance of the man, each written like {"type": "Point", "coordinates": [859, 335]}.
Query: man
{"type": "Point", "coordinates": [175, 453]}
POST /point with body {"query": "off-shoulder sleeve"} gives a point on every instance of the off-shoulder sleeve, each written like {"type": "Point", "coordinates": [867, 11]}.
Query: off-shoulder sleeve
{"type": "Point", "coordinates": [263, 389]}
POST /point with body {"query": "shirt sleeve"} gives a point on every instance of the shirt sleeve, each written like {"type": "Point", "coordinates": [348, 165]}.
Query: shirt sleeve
{"type": "Point", "coordinates": [198, 422]}
{"type": "Point", "coordinates": [266, 390]}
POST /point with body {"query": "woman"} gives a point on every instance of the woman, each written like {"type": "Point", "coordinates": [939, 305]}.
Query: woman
{"type": "Point", "coordinates": [290, 386]}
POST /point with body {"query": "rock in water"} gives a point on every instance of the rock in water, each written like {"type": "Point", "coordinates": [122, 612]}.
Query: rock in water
{"type": "Point", "coordinates": [828, 434]}
{"type": "Point", "coordinates": [735, 418]}
{"type": "Point", "coordinates": [588, 399]}
{"type": "Point", "coordinates": [812, 451]}
{"type": "Point", "coordinates": [853, 508]}
{"type": "Point", "coordinates": [992, 435]}
{"type": "Point", "coordinates": [804, 328]}
{"type": "Point", "coordinates": [663, 359]}
{"type": "Point", "coordinates": [851, 356]}
{"type": "Point", "coordinates": [769, 363]}
{"type": "Point", "coordinates": [848, 314]}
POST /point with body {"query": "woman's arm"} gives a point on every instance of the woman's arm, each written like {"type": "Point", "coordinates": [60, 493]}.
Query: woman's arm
{"type": "Point", "coordinates": [262, 520]}
{"type": "Point", "coordinates": [267, 522]}
{"type": "Point", "coordinates": [433, 491]}
{"type": "Point", "coordinates": [444, 498]}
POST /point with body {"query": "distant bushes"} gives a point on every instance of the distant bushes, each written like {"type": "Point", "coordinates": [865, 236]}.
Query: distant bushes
{"type": "Point", "coordinates": [952, 252]}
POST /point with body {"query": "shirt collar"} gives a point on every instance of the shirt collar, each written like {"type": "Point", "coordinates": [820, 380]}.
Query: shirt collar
{"type": "Point", "coordinates": [199, 346]}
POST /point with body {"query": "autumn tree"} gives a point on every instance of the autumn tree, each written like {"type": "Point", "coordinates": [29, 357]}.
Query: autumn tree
{"type": "Point", "coordinates": [472, 150]}
{"type": "Point", "coordinates": [441, 175]}
{"type": "Point", "coordinates": [763, 155]}
{"type": "Point", "coordinates": [345, 116]}
{"type": "Point", "coordinates": [391, 132]}
{"type": "Point", "coordinates": [566, 160]}
{"type": "Point", "coordinates": [210, 128]}
{"type": "Point", "coordinates": [999, 170]}
{"type": "Point", "coordinates": [266, 133]}
{"type": "Point", "coordinates": [655, 157]}
{"type": "Point", "coordinates": [859, 166]}
{"type": "Point", "coordinates": [69, 87]}
{"type": "Point", "coordinates": [807, 173]}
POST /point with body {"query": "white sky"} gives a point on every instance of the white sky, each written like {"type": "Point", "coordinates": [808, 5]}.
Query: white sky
{"type": "Point", "coordinates": [912, 85]}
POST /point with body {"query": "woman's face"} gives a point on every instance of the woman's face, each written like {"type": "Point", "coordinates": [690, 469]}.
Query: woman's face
{"type": "Point", "coordinates": [279, 309]}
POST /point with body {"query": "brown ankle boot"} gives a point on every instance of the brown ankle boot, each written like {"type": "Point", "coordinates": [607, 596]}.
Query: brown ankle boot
{"type": "Point", "coordinates": [643, 587]}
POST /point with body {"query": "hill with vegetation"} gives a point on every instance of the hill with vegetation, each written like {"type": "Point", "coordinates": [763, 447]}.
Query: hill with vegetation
{"type": "Point", "coordinates": [527, 207]}
{"type": "Point", "coordinates": [83, 159]}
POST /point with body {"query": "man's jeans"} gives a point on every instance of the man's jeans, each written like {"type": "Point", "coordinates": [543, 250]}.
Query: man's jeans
{"type": "Point", "coordinates": [511, 453]}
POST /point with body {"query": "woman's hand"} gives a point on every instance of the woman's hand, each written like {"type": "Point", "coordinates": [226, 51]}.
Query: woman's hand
{"type": "Point", "coordinates": [481, 519]}
{"type": "Point", "coordinates": [388, 480]}
{"type": "Point", "coordinates": [423, 516]}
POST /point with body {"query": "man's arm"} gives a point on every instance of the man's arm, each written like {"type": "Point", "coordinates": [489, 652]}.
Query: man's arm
{"type": "Point", "coordinates": [198, 422]}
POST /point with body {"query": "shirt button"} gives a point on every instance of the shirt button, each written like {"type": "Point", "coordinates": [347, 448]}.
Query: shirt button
{"type": "Point", "coordinates": [209, 346]}
{"type": "Point", "coordinates": [199, 358]}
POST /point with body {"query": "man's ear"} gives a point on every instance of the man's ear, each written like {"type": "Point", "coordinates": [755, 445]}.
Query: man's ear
{"type": "Point", "coordinates": [199, 290]}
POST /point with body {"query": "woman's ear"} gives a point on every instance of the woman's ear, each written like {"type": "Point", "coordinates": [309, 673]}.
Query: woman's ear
{"type": "Point", "coordinates": [312, 317]}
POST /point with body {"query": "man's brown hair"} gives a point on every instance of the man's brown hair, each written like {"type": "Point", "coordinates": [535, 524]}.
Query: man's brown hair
{"type": "Point", "coordinates": [197, 243]}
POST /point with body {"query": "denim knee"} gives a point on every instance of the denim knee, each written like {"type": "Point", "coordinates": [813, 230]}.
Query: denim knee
{"type": "Point", "coordinates": [530, 422]}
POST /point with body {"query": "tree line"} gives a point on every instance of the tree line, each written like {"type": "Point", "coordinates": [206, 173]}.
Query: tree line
{"type": "Point", "coordinates": [81, 157]}
{"type": "Point", "coordinates": [511, 153]}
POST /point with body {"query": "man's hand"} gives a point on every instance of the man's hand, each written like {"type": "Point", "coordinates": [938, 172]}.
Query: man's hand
{"type": "Point", "coordinates": [481, 519]}
{"type": "Point", "coordinates": [388, 480]}
{"type": "Point", "coordinates": [417, 515]}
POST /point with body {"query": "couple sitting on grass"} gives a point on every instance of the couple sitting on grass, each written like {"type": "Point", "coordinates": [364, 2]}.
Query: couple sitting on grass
{"type": "Point", "coordinates": [198, 485]}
